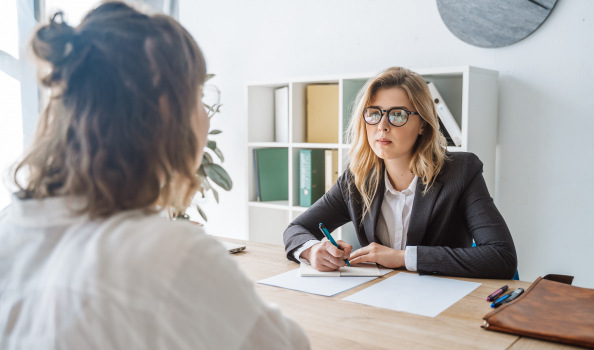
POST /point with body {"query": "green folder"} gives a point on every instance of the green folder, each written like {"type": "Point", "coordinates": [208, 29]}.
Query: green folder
{"type": "Point", "coordinates": [272, 173]}
{"type": "Point", "coordinates": [311, 176]}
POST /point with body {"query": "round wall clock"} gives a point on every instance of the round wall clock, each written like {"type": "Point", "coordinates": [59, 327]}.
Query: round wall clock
{"type": "Point", "coordinates": [494, 23]}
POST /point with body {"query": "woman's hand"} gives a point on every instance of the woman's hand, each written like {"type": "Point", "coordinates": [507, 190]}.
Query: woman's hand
{"type": "Point", "coordinates": [325, 256]}
{"type": "Point", "coordinates": [380, 254]}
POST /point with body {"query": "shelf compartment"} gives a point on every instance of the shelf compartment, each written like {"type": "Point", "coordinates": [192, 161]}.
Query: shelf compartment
{"type": "Point", "coordinates": [298, 109]}
{"type": "Point", "coordinates": [260, 107]}
{"type": "Point", "coordinates": [251, 176]}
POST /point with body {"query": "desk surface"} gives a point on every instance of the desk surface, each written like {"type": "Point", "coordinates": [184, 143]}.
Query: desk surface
{"type": "Point", "coordinates": [332, 323]}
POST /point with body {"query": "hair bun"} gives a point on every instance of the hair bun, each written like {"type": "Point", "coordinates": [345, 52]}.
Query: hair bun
{"type": "Point", "coordinates": [53, 41]}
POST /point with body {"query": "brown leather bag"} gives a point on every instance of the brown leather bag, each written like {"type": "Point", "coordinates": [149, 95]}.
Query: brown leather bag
{"type": "Point", "coordinates": [550, 309]}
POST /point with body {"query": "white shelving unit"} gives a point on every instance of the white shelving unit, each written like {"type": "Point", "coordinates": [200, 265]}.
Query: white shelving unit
{"type": "Point", "coordinates": [470, 93]}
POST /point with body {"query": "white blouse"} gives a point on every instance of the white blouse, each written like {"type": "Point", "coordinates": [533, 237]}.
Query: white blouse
{"type": "Point", "coordinates": [131, 281]}
{"type": "Point", "coordinates": [394, 219]}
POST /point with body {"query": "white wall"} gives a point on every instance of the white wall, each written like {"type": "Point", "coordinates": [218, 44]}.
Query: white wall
{"type": "Point", "coordinates": [545, 182]}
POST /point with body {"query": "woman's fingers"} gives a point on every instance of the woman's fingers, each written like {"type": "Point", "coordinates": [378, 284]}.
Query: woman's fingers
{"type": "Point", "coordinates": [335, 252]}
{"type": "Point", "coordinates": [359, 252]}
{"type": "Point", "coordinates": [347, 248]}
{"type": "Point", "coordinates": [327, 259]}
{"type": "Point", "coordinates": [337, 261]}
{"type": "Point", "coordinates": [324, 261]}
{"type": "Point", "coordinates": [326, 268]}
{"type": "Point", "coordinates": [362, 259]}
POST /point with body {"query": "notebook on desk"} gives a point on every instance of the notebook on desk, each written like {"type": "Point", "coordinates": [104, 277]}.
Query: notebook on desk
{"type": "Point", "coordinates": [358, 270]}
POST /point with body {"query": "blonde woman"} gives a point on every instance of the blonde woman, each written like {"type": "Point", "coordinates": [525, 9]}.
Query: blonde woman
{"type": "Point", "coordinates": [413, 204]}
{"type": "Point", "coordinates": [85, 260]}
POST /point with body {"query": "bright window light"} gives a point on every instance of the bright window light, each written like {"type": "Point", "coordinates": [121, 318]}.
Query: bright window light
{"type": "Point", "coordinates": [74, 10]}
{"type": "Point", "coordinates": [11, 132]}
{"type": "Point", "coordinates": [9, 30]}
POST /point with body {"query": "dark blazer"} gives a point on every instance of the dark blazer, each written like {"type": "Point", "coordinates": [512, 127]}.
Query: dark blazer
{"type": "Point", "coordinates": [443, 223]}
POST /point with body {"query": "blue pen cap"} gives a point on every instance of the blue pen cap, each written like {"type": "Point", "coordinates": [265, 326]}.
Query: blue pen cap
{"type": "Point", "coordinates": [499, 301]}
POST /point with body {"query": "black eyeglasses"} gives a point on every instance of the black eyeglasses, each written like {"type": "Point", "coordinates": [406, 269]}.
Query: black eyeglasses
{"type": "Point", "coordinates": [396, 116]}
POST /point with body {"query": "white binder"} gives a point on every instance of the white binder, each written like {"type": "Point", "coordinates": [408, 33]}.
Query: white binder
{"type": "Point", "coordinates": [446, 116]}
{"type": "Point", "coordinates": [281, 115]}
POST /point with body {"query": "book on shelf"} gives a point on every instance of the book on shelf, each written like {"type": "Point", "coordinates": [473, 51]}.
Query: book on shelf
{"type": "Point", "coordinates": [311, 176]}
{"type": "Point", "coordinates": [331, 168]}
{"type": "Point", "coordinates": [256, 175]}
{"type": "Point", "coordinates": [271, 170]}
{"type": "Point", "coordinates": [281, 114]}
{"type": "Point", "coordinates": [448, 125]}
{"type": "Point", "coordinates": [322, 113]}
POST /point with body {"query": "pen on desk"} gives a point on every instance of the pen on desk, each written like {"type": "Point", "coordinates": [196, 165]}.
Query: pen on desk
{"type": "Point", "coordinates": [327, 234]}
{"type": "Point", "coordinates": [516, 293]}
{"type": "Point", "coordinates": [497, 293]}
{"type": "Point", "coordinates": [500, 301]}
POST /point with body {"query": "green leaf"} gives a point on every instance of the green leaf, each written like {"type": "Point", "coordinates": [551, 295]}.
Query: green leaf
{"type": "Point", "coordinates": [206, 156]}
{"type": "Point", "coordinates": [208, 77]}
{"type": "Point", "coordinates": [215, 132]}
{"type": "Point", "coordinates": [213, 110]}
{"type": "Point", "coordinates": [211, 144]}
{"type": "Point", "coordinates": [206, 184]}
{"type": "Point", "coordinates": [217, 174]}
{"type": "Point", "coordinates": [218, 152]}
{"type": "Point", "coordinates": [201, 213]}
{"type": "Point", "coordinates": [201, 171]}
{"type": "Point", "coordinates": [216, 194]}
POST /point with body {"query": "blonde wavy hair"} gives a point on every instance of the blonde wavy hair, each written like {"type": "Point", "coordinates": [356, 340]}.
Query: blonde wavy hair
{"type": "Point", "coordinates": [117, 131]}
{"type": "Point", "coordinates": [429, 152]}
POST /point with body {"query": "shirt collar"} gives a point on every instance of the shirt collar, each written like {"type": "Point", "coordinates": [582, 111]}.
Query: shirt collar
{"type": "Point", "coordinates": [407, 192]}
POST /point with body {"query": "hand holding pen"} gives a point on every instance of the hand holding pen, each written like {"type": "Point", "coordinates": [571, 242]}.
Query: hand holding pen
{"type": "Point", "coordinates": [325, 256]}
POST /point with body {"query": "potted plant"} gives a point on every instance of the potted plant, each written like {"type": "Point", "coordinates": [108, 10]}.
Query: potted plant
{"type": "Point", "coordinates": [209, 170]}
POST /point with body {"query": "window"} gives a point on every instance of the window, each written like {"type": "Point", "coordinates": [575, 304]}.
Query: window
{"type": "Point", "coordinates": [11, 132]}
{"type": "Point", "coordinates": [9, 39]}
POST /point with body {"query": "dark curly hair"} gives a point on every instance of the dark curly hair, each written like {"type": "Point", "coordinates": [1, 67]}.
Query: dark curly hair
{"type": "Point", "coordinates": [117, 129]}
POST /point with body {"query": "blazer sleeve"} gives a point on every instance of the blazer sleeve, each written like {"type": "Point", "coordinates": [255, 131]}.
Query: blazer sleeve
{"type": "Point", "coordinates": [494, 255]}
{"type": "Point", "coordinates": [331, 210]}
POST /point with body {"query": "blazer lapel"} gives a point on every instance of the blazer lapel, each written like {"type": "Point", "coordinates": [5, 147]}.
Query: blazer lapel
{"type": "Point", "coordinates": [371, 218]}
{"type": "Point", "coordinates": [421, 212]}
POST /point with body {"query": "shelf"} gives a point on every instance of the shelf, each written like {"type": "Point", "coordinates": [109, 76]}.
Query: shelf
{"type": "Point", "coordinates": [297, 145]}
{"type": "Point", "coordinates": [272, 204]}
{"type": "Point", "coordinates": [268, 144]}
{"type": "Point", "coordinates": [298, 208]}
{"type": "Point", "coordinates": [315, 145]}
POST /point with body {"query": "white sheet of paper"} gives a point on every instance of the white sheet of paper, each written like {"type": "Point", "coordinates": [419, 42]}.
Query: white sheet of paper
{"type": "Point", "coordinates": [359, 270]}
{"type": "Point", "coordinates": [421, 295]}
{"type": "Point", "coordinates": [325, 286]}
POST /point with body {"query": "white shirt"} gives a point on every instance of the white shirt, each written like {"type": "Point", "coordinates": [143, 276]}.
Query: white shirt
{"type": "Point", "coordinates": [392, 226]}
{"type": "Point", "coordinates": [131, 281]}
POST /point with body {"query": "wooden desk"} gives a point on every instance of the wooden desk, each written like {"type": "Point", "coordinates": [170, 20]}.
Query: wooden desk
{"type": "Point", "coordinates": [332, 323]}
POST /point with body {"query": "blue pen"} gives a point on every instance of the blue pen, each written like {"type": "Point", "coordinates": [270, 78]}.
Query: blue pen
{"type": "Point", "coordinates": [327, 234]}
{"type": "Point", "coordinates": [500, 301]}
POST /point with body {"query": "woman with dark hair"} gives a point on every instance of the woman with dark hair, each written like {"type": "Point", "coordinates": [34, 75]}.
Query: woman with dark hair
{"type": "Point", "coordinates": [85, 260]}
